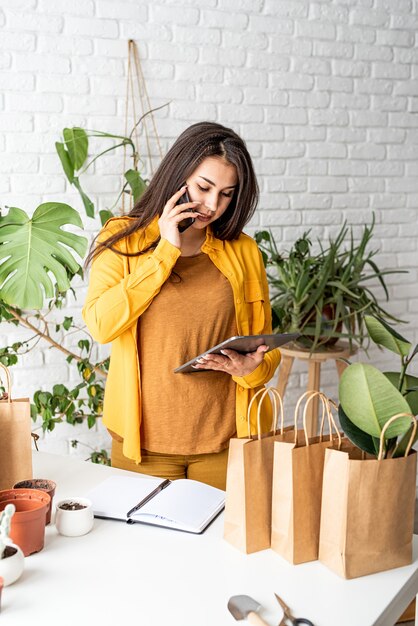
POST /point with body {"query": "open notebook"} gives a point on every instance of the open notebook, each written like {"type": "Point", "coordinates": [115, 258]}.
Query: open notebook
{"type": "Point", "coordinates": [181, 504]}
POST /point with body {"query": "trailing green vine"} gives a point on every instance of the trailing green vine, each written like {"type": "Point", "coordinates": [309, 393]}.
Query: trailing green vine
{"type": "Point", "coordinates": [22, 301]}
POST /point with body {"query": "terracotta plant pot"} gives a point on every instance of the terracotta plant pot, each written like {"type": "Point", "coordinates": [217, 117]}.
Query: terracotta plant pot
{"type": "Point", "coordinates": [43, 484]}
{"type": "Point", "coordinates": [27, 528]}
{"type": "Point", "coordinates": [12, 564]}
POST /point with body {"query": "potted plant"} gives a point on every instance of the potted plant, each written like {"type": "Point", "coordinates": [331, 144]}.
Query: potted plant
{"type": "Point", "coordinates": [49, 257]}
{"type": "Point", "coordinates": [323, 295]}
{"type": "Point", "coordinates": [44, 485]}
{"type": "Point", "coordinates": [74, 517]}
{"type": "Point", "coordinates": [12, 560]}
{"type": "Point", "coordinates": [369, 397]}
{"type": "Point", "coordinates": [27, 528]}
{"type": "Point", "coordinates": [369, 486]}
{"type": "Point", "coordinates": [34, 288]}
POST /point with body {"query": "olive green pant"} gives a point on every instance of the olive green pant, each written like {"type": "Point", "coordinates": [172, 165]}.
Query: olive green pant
{"type": "Point", "coordinates": [206, 468]}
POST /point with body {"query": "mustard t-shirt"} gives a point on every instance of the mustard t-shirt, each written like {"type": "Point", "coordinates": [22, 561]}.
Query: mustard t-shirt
{"type": "Point", "coordinates": [190, 413]}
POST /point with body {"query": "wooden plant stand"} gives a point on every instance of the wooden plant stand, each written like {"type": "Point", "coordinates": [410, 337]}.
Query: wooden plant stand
{"type": "Point", "coordinates": [341, 350]}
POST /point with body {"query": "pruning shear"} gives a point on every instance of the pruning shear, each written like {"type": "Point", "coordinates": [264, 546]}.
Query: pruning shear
{"type": "Point", "coordinates": [288, 617]}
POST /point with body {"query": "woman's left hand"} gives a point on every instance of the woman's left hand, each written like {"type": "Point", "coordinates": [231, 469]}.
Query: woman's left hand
{"type": "Point", "coordinates": [232, 362]}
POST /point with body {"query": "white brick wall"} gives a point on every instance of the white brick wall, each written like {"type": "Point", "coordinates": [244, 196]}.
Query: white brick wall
{"type": "Point", "coordinates": [325, 93]}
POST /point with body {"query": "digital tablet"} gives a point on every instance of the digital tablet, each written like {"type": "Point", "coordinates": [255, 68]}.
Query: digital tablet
{"type": "Point", "coordinates": [243, 344]}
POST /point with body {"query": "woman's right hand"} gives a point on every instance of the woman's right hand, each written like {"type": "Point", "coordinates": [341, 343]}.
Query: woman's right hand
{"type": "Point", "coordinates": [172, 214]}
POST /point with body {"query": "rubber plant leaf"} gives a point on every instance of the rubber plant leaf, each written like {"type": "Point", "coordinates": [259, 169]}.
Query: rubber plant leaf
{"type": "Point", "coordinates": [66, 162]}
{"type": "Point", "coordinates": [31, 249]}
{"type": "Point", "coordinates": [77, 144]}
{"type": "Point", "coordinates": [403, 443]}
{"type": "Point", "coordinates": [369, 400]}
{"type": "Point", "coordinates": [409, 382]}
{"type": "Point", "coordinates": [136, 183]}
{"type": "Point", "coordinates": [384, 335]}
{"type": "Point", "coordinates": [358, 437]}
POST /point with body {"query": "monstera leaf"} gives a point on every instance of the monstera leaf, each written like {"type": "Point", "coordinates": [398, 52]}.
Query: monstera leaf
{"type": "Point", "coordinates": [31, 249]}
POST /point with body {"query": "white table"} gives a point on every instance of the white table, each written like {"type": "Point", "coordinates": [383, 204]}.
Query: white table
{"type": "Point", "coordinates": [123, 574]}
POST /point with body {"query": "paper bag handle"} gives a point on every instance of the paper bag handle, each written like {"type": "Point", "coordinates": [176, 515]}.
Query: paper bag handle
{"type": "Point", "coordinates": [385, 427]}
{"type": "Point", "coordinates": [9, 382]}
{"type": "Point", "coordinates": [325, 410]}
{"type": "Point", "coordinates": [276, 396]}
{"type": "Point", "coordinates": [311, 395]}
{"type": "Point", "coordinates": [332, 422]}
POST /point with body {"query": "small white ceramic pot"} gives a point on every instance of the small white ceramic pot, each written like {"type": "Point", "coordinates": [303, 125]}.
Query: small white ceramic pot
{"type": "Point", "coordinates": [74, 523]}
{"type": "Point", "coordinates": [11, 567]}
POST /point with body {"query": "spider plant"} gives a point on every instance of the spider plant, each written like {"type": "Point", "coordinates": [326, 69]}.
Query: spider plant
{"type": "Point", "coordinates": [324, 295]}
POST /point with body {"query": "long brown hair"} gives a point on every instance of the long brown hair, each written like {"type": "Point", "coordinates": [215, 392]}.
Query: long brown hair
{"type": "Point", "coordinates": [199, 141]}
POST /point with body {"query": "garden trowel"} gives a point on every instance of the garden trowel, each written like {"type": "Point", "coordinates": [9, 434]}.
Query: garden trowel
{"type": "Point", "coordinates": [244, 607]}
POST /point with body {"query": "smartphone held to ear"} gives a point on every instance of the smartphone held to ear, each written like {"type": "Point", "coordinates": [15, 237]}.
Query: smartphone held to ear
{"type": "Point", "coordinates": [188, 221]}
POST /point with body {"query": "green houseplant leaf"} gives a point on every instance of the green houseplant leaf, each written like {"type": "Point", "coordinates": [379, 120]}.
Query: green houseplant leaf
{"type": "Point", "coordinates": [32, 248]}
{"type": "Point", "coordinates": [105, 215]}
{"type": "Point", "coordinates": [409, 382]}
{"type": "Point", "coordinates": [325, 295]}
{"type": "Point", "coordinates": [384, 335]}
{"type": "Point", "coordinates": [77, 144]}
{"type": "Point", "coordinates": [65, 159]}
{"type": "Point", "coordinates": [359, 438]}
{"type": "Point", "coordinates": [88, 204]}
{"type": "Point", "coordinates": [369, 399]}
{"type": "Point", "coordinates": [136, 183]}
{"type": "Point", "coordinates": [262, 235]}
{"type": "Point", "coordinates": [403, 443]}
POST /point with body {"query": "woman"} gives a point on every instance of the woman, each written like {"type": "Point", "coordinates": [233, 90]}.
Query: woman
{"type": "Point", "coordinates": [163, 294]}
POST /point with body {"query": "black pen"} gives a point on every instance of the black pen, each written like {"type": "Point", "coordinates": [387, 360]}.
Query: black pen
{"type": "Point", "coordinates": [149, 497]}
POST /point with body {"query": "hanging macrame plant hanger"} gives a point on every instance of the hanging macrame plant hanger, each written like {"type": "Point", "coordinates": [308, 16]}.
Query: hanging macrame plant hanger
{"type": "Point", "coordinates": [144, 132]}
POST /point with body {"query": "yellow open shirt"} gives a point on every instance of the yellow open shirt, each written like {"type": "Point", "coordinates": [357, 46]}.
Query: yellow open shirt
{"type": "Point", "coordinates": [121, 288]}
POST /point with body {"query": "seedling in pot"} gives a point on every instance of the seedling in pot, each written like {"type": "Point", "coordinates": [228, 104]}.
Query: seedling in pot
{"type": "Point", "coordinates": [72, 506]}
{"type": "Point", "coordinates": [74, 517]}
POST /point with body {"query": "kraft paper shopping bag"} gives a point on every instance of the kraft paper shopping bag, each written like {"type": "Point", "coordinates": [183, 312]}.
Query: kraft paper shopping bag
{"type": "Point", "coordinates": [297, 486]}
{"type": "Point", "coordinates": [249, 481]}
{"type": "Point", "coordinates": [15, 437]}
{"type": "Point", "coordinates": [368, 507]}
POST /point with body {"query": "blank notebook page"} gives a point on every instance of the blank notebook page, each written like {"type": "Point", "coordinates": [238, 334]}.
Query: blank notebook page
{"type": "Point", "coordinates": [187, 502]}
{"type": "Point", "coordinates": [116, 495]}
